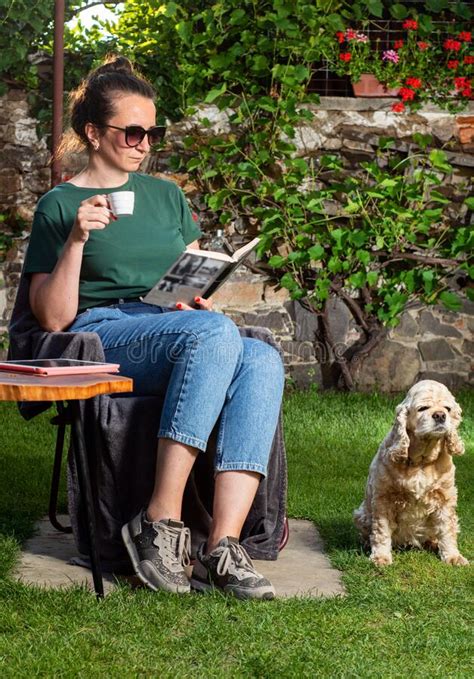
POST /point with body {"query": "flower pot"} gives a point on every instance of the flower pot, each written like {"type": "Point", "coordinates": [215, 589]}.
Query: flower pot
{"type": "Point", "coordinates": [369, 86]}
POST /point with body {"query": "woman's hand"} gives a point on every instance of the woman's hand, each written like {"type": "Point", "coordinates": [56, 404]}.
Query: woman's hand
{"type": "Point", "coordinates": [93, 213]}
{"type": "Point", "coordinates": [204, 304]}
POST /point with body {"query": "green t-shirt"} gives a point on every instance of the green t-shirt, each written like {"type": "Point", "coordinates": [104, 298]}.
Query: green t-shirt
{"type": "Point", "coordinates": [129, 256]}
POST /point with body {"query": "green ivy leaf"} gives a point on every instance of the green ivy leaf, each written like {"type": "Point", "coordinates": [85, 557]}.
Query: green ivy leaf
{"type": "Point", "coordinates": [398, 11]}
{"type": "Point", "coordinates": [409, 280]}
{"type": "Point", "coordinates": [334, 265]}
{"type": "Point", "coordinates": [276, 261]}
{"type": "Point", "coordinates": [425, 23]}
{"type": "Point", "coordinates": [363, 256]}
{"type": "Point", "coordinates": [450, 300]}
{"type": "Point", "coordinates": [462, 10]}
{"type": "Point", "coordinates": [428, 277]}
{"type": "Point", "coordinates": [351, 207]}
{"type": "Point", "coordinates": [375, 7]}
{"type": "Point", "coordinates": [316, 252]}
{"type": "Point", "coordinates": [237, 16]}
{"type": "Point", "coordinates": [357, 280]}
{"type": "Point", "coordinates": [372, 278]}
{"type": "Point", "coordinates": [439, 160]}
{"type": "Point", "coordinates": [193, 163]}
{"type": "Point", "coordinates": [438, 197]}
{"type": "Point", "coordinates": [423, 140]}
{"type": "Point", "coordinates": [287, 281]}
{"type": "Point", "coordinates": [217, 200]}
{"type": "Point", "coordinates": [335, 22]}
{"type": "Point", "coordinates": [470, 202]}
{"type": "Point", "coordinates": [338, 235]}
{"type": "Point", "coordinates": [436, 6]}
{"type": "Point", "coordinates": [216, 92]}
{"type": "Point", "coordinates": [386, 143]}
{"type": "Point", "coordinates": [298, 257]}
{"type": "Point", "coordinates": [358, 238]}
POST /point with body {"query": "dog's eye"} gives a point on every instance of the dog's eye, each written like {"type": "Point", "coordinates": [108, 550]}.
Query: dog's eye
{"type": "Point", "coordinates": [448, 409]}
{"type": "Point", "coordinates": [423, 408]}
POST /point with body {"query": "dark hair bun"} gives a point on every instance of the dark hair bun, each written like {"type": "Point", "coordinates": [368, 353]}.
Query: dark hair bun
{"type": "Point", "coordinates": [113, 63]}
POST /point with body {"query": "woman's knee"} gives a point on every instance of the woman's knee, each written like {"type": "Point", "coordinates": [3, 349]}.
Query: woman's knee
{"type": "Point", "coordinates": [264, 360]}
{"type": "Point", "coordinates": [218, 337]}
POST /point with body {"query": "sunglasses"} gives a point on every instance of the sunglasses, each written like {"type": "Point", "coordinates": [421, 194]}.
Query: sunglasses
{"type": "Point", "coordinates": [134, 134]}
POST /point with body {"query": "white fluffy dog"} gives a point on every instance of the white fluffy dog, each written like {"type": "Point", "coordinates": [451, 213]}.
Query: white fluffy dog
{"type": "Point", "coordinates": [410, 498]}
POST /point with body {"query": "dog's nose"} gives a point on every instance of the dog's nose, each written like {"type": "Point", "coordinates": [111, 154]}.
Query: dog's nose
{"type": "Point", "coordinates": [439, 416]}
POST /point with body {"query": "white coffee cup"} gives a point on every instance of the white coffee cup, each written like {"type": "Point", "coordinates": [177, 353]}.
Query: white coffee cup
{"type": "Point", "coordinates": [122, 202]}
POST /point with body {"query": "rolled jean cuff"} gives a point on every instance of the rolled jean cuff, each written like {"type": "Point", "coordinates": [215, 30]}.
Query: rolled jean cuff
{"type": "Point", "coordinates": [183, 438]}
{"type": "Point", "coordinates": [241, 467]}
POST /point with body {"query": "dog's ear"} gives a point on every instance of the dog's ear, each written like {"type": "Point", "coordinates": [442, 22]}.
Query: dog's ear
{"type": "Point", "coordinates": [454, 444]}
{"type": "Point", "coordinates": [399, 441]}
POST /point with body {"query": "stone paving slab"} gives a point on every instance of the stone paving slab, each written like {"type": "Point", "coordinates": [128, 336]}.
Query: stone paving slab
{"type": "Point", "coordinates": [302, 568]}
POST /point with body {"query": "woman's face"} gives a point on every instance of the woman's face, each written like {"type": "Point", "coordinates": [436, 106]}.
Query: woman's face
{"type": "Point", "coordinates": [130, 109]}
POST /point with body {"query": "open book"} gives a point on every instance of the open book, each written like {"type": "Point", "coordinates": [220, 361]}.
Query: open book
{"type": "Point", "coordinates": [196, 273]}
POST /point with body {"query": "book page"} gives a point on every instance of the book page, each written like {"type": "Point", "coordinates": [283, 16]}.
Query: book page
{"type": "Point", "coordinates": [245, 249]}
{"type": "Point", "coordinates": [189, 277]}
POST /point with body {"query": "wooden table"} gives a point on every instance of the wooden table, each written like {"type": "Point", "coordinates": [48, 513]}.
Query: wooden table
{"type": "Point", "coordinates": [72, 388]}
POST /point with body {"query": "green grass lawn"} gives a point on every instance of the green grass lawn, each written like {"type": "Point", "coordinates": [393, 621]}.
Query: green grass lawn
{"type": "Point", "coordinates": [413, 619]}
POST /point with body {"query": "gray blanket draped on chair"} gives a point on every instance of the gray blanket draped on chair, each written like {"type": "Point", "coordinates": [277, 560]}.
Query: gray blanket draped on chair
{"type": "Point", "coordinates": [120, 433]}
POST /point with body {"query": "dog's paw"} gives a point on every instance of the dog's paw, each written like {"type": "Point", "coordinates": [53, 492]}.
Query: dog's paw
{"type": "Point", "coordinates": [456, 560]}
{"type": "Point", "coordinates": [381, 559]}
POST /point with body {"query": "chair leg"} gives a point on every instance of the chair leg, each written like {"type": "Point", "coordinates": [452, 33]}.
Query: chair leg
{"type": "Point", "coordinates": [85, 488]}
{"type": "Point", "coordinates": [285, 536]}
{"type": "Point", "coordinates": [61, 422]}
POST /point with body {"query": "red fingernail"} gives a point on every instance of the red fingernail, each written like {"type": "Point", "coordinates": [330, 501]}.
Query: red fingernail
{"type": "Point", "coordinates": [198, 300]}
{"type": "Point", "coordinates": [179, 305]}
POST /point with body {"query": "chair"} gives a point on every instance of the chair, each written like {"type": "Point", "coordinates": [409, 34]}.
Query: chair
{"type": "Point", "coordinates": [122, 457]}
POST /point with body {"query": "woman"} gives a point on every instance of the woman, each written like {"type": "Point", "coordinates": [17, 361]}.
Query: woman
{"type": "Point", "coordinates": [87, 272]}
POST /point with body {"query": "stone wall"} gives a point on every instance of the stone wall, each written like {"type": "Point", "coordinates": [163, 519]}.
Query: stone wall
{"type": "Point", "coordinates": [24, 177]}
{"type": "Point", "coordinates": [24, 171]}
{"type": "Point", "coordinates": [429, 342]}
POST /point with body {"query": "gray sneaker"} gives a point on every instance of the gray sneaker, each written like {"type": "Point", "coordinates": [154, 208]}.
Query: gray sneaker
{"type": "Point", "coordinates": [229, 568]}
{"type": "Point", "coordinates": [159, 552]}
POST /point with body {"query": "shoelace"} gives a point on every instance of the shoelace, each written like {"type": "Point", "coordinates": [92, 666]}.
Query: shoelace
{"type": "Point", "coordinates": [176, 545]}
{"type": "Point", "coordinates": [234, 552]}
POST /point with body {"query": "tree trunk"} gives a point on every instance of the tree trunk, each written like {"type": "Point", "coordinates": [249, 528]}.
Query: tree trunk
{"type": "Point", "coordinates": [344, 365]}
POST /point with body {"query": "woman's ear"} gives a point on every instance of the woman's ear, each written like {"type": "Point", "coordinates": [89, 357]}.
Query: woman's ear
{"type": "Point", "coordinates": [399, 441]}
{"type": "Point", "coordinates": [92, 135]}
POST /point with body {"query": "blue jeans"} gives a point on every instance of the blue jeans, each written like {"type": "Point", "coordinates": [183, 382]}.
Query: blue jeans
{"type": "Point", "coordinates": [205, 372]}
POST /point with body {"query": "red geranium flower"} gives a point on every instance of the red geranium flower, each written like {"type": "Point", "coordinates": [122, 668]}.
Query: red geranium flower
{"type": "Point", "coordinates": [453, 63]}
{"type": "Point", "coordinates": [413, 82]}
{"type": "Point", "coordinates": [423, 45]}
{"type": "Point", "coordinates": [468, 60]}
{"type": "Point", "coordinates": [467, 92]}
{"type": "Point", "coordinates": [345, 56]}
{"type": "Point", "coordinates": [465, 36]}
{"type": "Point", "coordinates": [453, 45]}
{"type": "Point", "coordinates": [399, 107]}
{"type": "Point", "coordinates": [398, 44]}
{"type": "Point", "coordinates": [461, 82]}
{"type": "Point", "coordinates": [340, 36]}
{"type": "Point", "coordinates": [411, 24]}
{"type": "Point", "coordinates": [407, 94]}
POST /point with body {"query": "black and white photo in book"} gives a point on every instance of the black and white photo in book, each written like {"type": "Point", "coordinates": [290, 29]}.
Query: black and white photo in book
{"type": "Point", "coordinates": [191, 274]}
{"type": "Point", "coordinates": [196, 273]}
